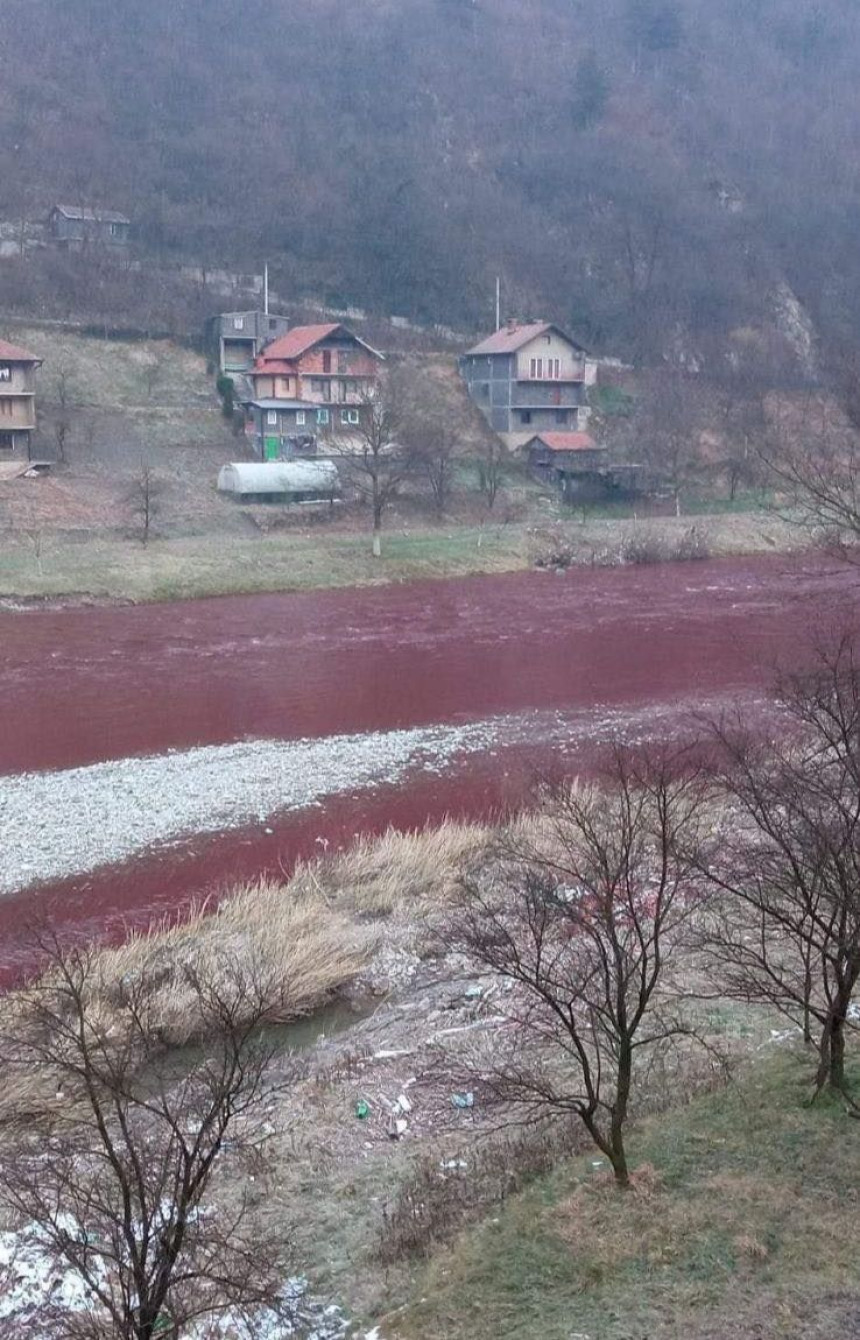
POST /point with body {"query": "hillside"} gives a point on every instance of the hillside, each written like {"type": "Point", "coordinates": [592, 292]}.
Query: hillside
{"type": "Point", "coordinates": [660, 174]}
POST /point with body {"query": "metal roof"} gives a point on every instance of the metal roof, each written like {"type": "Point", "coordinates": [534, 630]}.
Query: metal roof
{"type": "Point", "coordinates": [245, 477]}
{"type": "Point", "coordinates": [301, 338]}
{"type": "Point", "coordinates": [512, 337]}
{"type": "Point", "coordinates": [566, 442]}
{"type": "Point", "coordinates": [12, 353]}
{"type": "Point", "coordinates": [284, 404]}
{"type": "Point", "coordinates": [91, 215]}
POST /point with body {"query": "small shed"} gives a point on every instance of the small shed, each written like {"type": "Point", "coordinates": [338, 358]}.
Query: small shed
{"type": "Point", "coordinates": [280, 481]}
{"type": "Point", "coordinates": [573, 461]}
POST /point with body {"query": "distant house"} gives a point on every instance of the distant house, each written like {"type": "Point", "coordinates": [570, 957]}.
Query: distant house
{"type": "Point", "coordinates": [280, 481]}
{"type": "Point", "coordinates": [241, 336]}
{"type": "Point", "coordinates": [529, 377]}
{"type": "Point", "coordinates": [572, 461]}
{"type": "Point", "coordinates": [74, 227]}
{"type": "Point", "coordinates": [17, 399]}
{"type": "Point", "coordinates": [581, 468]}
{"type": "Point", "coordinates": [310, 385]}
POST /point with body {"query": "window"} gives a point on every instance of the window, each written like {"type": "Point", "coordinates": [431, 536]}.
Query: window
{"type": "Point", "coordinates": [5, 373]}
{"type": "Point", "coordinates": [341, 360]}
{"type": "Point", "coordinates": [322, 416]}
{"type": "Point", "coordinates": [561, 416]}
{"type": "Point", "coordinates": [526, 416]}
{"type": "Point", "coordinates": [272, 418]}
{"type": "Point", "coordinates": [553, 367]}
{"type": "Point", "coordinates": [273, 323]}
{"type": "Point", "coordinates": [238, 323]}
{"type": "Point", "coordinates": [300, 418]}
{"type": "Point", "coordinates": [349, 416]}
{"type": "Point", "coordinates": [326, 360]}
{"type": "Point", "coordinates": [7, 441]}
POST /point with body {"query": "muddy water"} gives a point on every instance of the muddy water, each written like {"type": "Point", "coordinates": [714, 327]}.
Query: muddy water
{"type": "Point", "coordinates": [82, 686]}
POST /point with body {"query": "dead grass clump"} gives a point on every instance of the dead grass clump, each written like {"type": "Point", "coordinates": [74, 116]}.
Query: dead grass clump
{"type": "Point", "coordinates": [746, 1244]}
{"type": "Point", "coordinates": [398, 872]}
{"type": "Point", "coordinates": [439, 1196]}
{"type": "Point", "coordinates": [302, 948]}
{"type": "Point", "coordinates": [642, 546]}
{"type": "Point", "coordinates": [306, 938]}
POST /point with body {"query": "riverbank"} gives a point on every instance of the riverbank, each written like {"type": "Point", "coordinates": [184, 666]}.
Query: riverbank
{"type": "Point", "coordinates": [736, 1220]}
{"type": "Point", "coordinates": [44, 567]}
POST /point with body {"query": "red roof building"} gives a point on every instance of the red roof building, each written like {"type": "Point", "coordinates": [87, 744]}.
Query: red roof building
{"type": "Point", "coordinates": [313, 382]}
{"type": "Point", "coordinates": [529, 376]}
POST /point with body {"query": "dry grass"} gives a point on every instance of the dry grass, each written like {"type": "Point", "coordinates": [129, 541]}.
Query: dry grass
{"type": "Point", "coordinates": [223, 562]}
{"type": "Point", "coordinates": [739, 1223]}
{"type": "Point", "coordinates": [307, 937]}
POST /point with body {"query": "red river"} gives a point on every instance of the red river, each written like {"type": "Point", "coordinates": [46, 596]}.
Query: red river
{"type": "Point", "coordinates": [84, 685]}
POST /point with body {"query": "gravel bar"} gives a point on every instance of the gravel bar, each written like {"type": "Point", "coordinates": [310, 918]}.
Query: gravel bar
{"type": "Point", "coordinates": [64, 823]}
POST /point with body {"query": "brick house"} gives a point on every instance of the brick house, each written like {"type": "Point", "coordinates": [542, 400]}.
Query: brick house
{"type": "Point", "coordinates": [310, 385]}
{"type": "Point", "coordinates": [17, 399]}
{"type": "Point", "coordinates": [529, 377]}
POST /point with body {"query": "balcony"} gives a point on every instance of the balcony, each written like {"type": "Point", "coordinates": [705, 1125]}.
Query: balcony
{"type": "Point", "coordinates": [528, 394]}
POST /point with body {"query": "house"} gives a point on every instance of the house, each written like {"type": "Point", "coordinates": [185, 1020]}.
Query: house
{"type": "Point", "coordinates": [241, 336]}
{"type": "Point", "coordinates": [74, 227]}
{"type": "Point", "coordinates": [310, 385]}
{"type": "Point", "coordinates": [581, 468]}
{"type": "Point", "coordinates": [573, 461]}
{"type": "Point", "coordinates": [17, 399]}
{"type": "Point", "coordinates": [528, 377]}
{"type": "Point", "coordinates": [280, 481]}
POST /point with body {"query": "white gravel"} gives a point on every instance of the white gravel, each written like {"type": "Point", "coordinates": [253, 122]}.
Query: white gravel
{"type": "Point", "coordinates": [57, 824]}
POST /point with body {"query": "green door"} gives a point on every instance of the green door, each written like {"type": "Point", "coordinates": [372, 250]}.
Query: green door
{"type": "Point", "coordinates": [271, 448]}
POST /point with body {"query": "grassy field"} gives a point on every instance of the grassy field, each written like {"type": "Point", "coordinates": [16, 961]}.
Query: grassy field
{"type": "Point", "coordinates": [213, 564]}
{"type": "Point", "coordinates": [742, 1224]}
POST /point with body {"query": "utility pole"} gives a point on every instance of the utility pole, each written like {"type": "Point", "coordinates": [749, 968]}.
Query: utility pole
{"type": "Point", "coordinates": [266, 288]}
{"type": "Point", "coordinates": [498, 302]}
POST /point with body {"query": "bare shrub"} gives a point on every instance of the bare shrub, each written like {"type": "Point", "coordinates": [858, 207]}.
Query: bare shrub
{"type": "Point", "coordinates": [111, 1152]}
{"type": "Point", "coordinates": [580, 918]}
{"type": "Point", "coordinates": [692, 546]}
{"type": "Point", "coordinates": [783, 925]}
{"type": "Point", "coordinates": [642, 546]}
{"type": "Point", "coordinates": [438, 1195]}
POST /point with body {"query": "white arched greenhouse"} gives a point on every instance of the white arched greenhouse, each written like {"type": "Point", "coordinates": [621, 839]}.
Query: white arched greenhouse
{"type": "Point", "coordinates": [280, 481]}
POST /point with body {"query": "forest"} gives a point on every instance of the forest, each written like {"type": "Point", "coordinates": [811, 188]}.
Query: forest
{"type": "Point", "coordinates": [664, 176]}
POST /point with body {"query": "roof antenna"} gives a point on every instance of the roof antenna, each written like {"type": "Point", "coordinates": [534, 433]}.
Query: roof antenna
{"type": "Point", "coordinates": [498, 302]}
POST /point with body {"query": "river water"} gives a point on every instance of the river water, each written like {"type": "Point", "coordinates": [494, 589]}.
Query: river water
{"type": "Point", "coordinates": [435, 697]}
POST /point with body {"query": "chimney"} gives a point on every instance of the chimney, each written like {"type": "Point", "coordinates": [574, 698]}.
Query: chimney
{"type": "Point", "coordinates": [512, 325]}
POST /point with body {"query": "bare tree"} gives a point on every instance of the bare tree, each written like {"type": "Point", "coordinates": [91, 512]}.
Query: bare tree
{"type": "Point", "coordinates": [582, 916]}
{"type": "Point", "coordinates": [816, 463]}
{"type": "Point", "coordinates": [373, 454]}
{"type": "Point", "coordinates": [784, 928]}
{"type": "Point", "coordinates": [64, 412]}
{"type": "Point", "coordinates": [112, 1146]}
{"type": "Point", "coordinates": [431, 443]}
{"type": "Point", "coordinates": [144, 498]}
{"type": "Point", "coordinates": [153, 372]}
{"type": "Point", "coordinates": [491, 466]}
